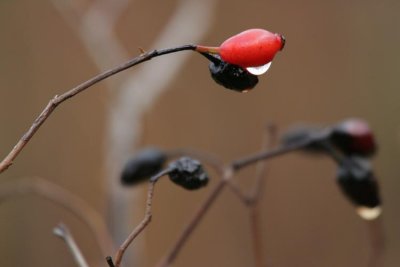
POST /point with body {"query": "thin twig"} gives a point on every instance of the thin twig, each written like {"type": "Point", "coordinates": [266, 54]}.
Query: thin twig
{"type": "Point", "coordinates": [57, 100]}
{"type": "Point", "coordinates": [256, 196]}
{"type": "Point", "coordinates": [246, 161]}
{"type": "Point", "coordinates": [195, 220]}
{"type": "Point", "coordinates": [62, 231]}
{"type": "Point", "coordinates": [110, 261]}
{"type": "Point", "coordinates": [146, 220]}
{"type": "Point", "coordinates": [245, 198]}
{"type": "Point", "coordinates": [62, 197]}
{"type": "Point", "coordinates": [377, 241]}
{"type": "Point", "coordinates": [133, 93]}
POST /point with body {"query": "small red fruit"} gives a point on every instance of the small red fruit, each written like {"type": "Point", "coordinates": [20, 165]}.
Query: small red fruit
{"type": "Point", "coordinates": [251, 48]}
{"type": "Point", "coordinates": [354, 137]}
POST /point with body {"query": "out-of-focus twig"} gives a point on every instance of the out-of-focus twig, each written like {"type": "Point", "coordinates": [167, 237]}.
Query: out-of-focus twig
{"type": "Point", "coordinates": [256, 196]}
{"type": "Point", "coordinates": [62, 197]}
{"type": "Point", "coordinates": [377, 241]}
{"type": "Point", "coordinates": [63, 232]}
{"type": "Point", "coordinates": [195, 220]}
{"type": "Point", "coordinates": [95, 27]}
{"type": "Point", "coordinates": [252, 199]}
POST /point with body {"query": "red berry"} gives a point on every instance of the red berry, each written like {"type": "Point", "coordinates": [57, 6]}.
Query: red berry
{"type": "Point", "coordinates": [354, 137]}
{"type": "Point", "coordinates": [251, 48]}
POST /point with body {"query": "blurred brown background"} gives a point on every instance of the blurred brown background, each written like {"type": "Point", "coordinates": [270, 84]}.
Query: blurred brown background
{"type": "Point", "coordinates": [341, 60]}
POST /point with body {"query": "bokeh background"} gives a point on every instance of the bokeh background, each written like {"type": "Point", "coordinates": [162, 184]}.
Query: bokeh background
{"type": "Point", "coordinates": [341, 60]}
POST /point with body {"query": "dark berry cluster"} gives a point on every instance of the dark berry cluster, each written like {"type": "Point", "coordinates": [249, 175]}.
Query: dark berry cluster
{"type": "Point", "coordinates": [188, 173]}
{"type": "Point", "coordinates": [354, 142]}
{"type": "Point", "coordinates": [147, 165]}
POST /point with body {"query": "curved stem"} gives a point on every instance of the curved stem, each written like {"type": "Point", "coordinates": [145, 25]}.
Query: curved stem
{"type": "Point", "coordinates": [246, 161]}
{"type": "Point", "coordinates": [67, 200]}
{"type": "Point", "coordinates": [62, 231]}
{"type": "Point", "coordinates": [195, 220]}
{"type": "Point", "coordinates": [142, 225]}
{"type": "Point", "coordinates": [207, 49]}
{"type": "Point", "coordinates": [256, 196]}
{"type": "Point", "coordinates": [58, 99]}
{"type": "Point", "coordinates": [377, 241]}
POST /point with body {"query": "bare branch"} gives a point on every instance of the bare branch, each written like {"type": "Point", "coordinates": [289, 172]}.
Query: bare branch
{"type": "Point", "coordinates": [146, 220]}
{"type": "Point", "coordinates": [57, 100]}
{"type": "Point", "coordinates": [63, 232]}
{"type": "Point", "coordinates": [110, 261]}
{"type": "Point", "coordinates": [377, 241]}
{"type": "Point", "coordinates": [190, 20]}
{"type": "Point", "coordinates": [135, 93]}
{"type": "Point", "coordinates": [258, 190]}
{"type": "Point", "coordinates": [195, 220]}
{"type": "Point", "coordinates": [268, 154]}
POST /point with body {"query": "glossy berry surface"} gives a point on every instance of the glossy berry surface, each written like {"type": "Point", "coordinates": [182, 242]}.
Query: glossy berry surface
{"type": "Point", "coordinates": [142, 166]}
{"type": "Point", "coordinates": [188, 173]}
{"type": "Point", "coordinates": [251, 48]}
{"type": "Point", "coordinates": [358, 183]}
{"type": "Point", "coordinates": [231, 76]}
{"type": "Point", "coordinates": [354, 137]}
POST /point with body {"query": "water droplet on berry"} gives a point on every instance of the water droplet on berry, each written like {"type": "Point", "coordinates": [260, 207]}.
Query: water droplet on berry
{"type": "Point", "coordinates": [259, 70]}
{"type": "Point", "coordinates": [369, 214]}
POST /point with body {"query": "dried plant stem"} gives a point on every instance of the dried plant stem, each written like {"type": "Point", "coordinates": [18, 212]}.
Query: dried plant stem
{"type": "Point", "coordinates": [377, 241]}
{"type": "Point", "coordinates": [255, 218]}
{"type": "Point", "coordinates": [58, 99]}
{"type": "Point", "coordinates": [62, 197]}
{"type": "Point", "coordinates": [62, 231]}
{"type": "Point", "coordinates": [269, 139]}
{"type": "Point", "coordinates": [268, 154]}
{"type": "Point", "coordinates": [195, 220]}
{"type": "Point", "coordinates": [142, 225]}
{"type": "Point", "coordinates": [257, 238]}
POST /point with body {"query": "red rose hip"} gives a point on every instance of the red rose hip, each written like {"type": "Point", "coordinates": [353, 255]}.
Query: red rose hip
{"type": "Point", "coordinates": [251, 48]}
{"type": "Point", "coordinates": [354, 137]}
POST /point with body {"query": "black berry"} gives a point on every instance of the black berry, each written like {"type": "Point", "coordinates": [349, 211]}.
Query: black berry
{"type": "Point", "coordinates": [358, 183]}
{"type": "Point", "coordinates": [142, 166]}
{"type": "Point", "coordinates": [188, 173]}
{"type": "Point", "coordinates": [230, 76]}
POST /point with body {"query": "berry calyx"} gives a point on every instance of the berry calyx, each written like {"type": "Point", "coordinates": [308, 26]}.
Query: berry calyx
{"type": "Point", "coordinates": [188, 173]}
{"type": "Point", "coordinates": [143, 165]}
{"type": "Point", "coordinates": [354, 137]}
